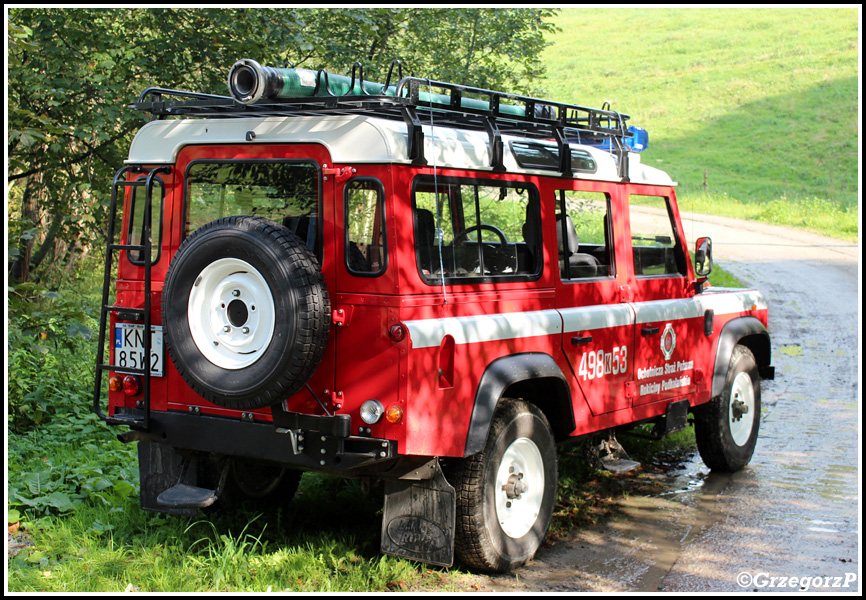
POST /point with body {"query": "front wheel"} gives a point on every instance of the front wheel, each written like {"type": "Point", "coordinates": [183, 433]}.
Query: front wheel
{"type": "Point", "coordinates": [506, 492]}
{"type": "Point", "coordinates": [726, 428]}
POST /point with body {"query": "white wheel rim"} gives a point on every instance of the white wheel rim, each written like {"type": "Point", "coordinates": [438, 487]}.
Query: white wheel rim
{"type": "Point", "coordinates": [519, 487]}
{"type": "Point", "coordinates": [741, 409]}
{"type": "Point", "coordinates": [231, 313]}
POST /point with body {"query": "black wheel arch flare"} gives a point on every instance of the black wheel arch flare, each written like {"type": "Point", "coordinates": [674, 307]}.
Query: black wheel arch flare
{"type": "Point", "coordinates": [513, 373]}
{"type": "Point", "coordinates": [747, 331]}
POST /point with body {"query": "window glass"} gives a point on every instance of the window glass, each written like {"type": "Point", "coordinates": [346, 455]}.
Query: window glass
{"type": "Point", "coordinates": [365, 227]}
{"type": "Point", "coordinates": [286, 193]}
{"type": "Point", "coordinates": [542, 156]}
{"type": "Point", "coordinates": [584, 236]}
{"type": "Point", "coordinates": [136, 219]}
{"type": "Point", "coordinates": [472, 230]}
{"type": "Point", "coordinates": [656, 248]}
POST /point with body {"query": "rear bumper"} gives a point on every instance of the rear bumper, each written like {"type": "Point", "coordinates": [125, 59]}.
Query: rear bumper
{"type": "Point", "coordinates": [304, 442]}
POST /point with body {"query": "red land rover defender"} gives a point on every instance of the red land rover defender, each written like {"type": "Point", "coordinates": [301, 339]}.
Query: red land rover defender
{"type": "Point", "coordinates": [424, 283]}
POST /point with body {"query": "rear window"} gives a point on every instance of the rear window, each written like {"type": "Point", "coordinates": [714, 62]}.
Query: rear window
{"type": "Point", "coordinates": [284, 192]}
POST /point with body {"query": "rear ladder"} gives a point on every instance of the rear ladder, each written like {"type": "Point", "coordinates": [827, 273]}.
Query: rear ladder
{"type": "Point", "coordinates": [136, 421]}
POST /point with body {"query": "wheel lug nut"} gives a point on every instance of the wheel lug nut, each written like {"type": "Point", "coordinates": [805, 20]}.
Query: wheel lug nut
{"type": "Point", "coordinates": [227, 328]}
{"type": "Point", "coordinates": [236, 293]}
{"type": "Point", "coordinates": [245, 329]}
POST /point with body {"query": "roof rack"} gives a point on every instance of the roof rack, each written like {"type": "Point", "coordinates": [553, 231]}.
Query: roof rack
{"type": "Point", "coordinates": [418, 102]}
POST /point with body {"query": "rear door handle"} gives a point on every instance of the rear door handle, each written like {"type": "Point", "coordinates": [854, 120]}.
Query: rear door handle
{"type": "Point", "coordinates": [581, 340]}
{"type": "Point", "coordinates": [649, 330]}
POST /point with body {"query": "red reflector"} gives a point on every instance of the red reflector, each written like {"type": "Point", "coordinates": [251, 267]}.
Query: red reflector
{"type": "Point", "coordinates": [131, 385]}
{"type": "Point", "coordinates": [115, 383]}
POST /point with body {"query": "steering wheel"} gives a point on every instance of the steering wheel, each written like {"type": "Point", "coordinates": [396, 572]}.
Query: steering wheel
{"type": "Point", "coordinates": [503, 241]}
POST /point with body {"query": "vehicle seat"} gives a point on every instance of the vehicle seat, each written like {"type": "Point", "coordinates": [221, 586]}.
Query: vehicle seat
{"type": "Point", "coordinates": [425, 237]}
{"type": "Point", "coordinates": [303, 226]}
{"type": "Point", "coordinates": [532, 237]}
{"type": "Point", "coordinates": [579, 264]}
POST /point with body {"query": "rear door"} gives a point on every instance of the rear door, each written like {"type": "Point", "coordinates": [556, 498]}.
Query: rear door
{"type": "Point", "coordinates": [282, 182]}
{"type": "Point", "coordinates": [597, 324]}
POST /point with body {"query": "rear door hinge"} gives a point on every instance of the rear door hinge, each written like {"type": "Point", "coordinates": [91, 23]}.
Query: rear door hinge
{"type": "Point", "coordinates": [338, 173]}
{"type": "Point", "coordinates": [342, 316]}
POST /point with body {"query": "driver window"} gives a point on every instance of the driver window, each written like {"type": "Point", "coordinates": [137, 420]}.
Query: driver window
{"type": "Point", "coordinates": [469, 231]}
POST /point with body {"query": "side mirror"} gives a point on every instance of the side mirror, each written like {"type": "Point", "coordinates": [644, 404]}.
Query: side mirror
{"type": "Point", "coordinates": [703, 257]}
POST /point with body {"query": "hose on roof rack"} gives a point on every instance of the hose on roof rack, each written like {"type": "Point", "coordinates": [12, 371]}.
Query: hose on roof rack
{"type": "Point", "coordinates": [249, 81]}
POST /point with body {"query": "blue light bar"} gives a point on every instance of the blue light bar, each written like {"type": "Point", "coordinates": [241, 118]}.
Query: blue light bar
{"type": "Point", "coordinates": [637, 142]}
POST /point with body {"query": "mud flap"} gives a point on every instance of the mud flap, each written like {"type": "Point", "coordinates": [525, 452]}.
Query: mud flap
{"type": "Point", "coordinates": [159, 469]}
{"type": "Point", "coordinates": [419, 519]}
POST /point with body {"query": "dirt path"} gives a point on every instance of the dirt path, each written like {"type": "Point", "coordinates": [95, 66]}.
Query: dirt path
{"type": "Point", "coordinates": [794, 512]}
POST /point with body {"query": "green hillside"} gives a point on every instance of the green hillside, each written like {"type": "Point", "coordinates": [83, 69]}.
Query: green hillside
{"type": "Point", "coordinates": [765, 101]}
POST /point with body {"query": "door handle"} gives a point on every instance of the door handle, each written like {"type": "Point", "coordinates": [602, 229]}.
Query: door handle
{"type": "Point", "coordinates": [649, 330]}
{"type": "Point", "coordinates": [581, 340]}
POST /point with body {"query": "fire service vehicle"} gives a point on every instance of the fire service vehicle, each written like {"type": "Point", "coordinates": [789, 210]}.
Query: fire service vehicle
{"type": "Point", "coordinates": [418, 284]}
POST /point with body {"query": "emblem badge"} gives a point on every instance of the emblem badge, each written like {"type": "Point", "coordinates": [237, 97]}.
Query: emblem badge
{"type": "Point", "coordinates": [669, 341]}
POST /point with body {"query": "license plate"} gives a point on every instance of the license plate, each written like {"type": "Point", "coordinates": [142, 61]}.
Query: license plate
{"type": "Point", "coordinates": [129, 348]}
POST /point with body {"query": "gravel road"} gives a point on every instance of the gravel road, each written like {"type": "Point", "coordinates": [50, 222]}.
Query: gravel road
{"type": "Point", "coordinates": [790, 521]}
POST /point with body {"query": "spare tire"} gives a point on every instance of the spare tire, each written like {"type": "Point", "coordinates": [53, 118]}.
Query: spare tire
{"type": "Point", "coordinates": [245, 312]}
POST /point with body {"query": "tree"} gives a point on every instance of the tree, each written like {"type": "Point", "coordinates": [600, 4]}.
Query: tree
{"type": "Point", "coordinates": [71, 73]}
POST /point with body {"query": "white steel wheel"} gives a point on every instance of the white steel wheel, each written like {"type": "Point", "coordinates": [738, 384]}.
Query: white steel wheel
{"type": "Point", "coordinates": [231, 313]}
{"type": "Point", "coordinates": [519, 487]}
{"type": "Point", "coordinates": [741, 408]}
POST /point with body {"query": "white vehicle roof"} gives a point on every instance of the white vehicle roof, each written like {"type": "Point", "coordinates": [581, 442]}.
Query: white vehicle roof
{"type": "Point", "coordinates": [358, 139]}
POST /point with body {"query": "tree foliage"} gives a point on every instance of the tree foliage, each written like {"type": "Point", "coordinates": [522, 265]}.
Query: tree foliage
{"type": "Point", "coordinates": [71, 73]}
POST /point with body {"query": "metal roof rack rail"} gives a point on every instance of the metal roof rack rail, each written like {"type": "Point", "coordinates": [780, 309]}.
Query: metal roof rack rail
{"type": "Point", "coordinates": [268, 91]}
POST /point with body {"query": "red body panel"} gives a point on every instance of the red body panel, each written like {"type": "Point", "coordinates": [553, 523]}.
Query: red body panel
{"type": "Point", "coordinates": [616, 369]}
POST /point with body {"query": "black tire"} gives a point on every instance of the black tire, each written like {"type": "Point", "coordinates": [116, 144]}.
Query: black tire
{"type": "Point", "coordinates": [245, 312]}
{"type": "Point", "coordinates": [726, 435]}
{"type": "Point", "coordinates": [489, 536]}
{"type": "Point", "coordinates": [261, 485]}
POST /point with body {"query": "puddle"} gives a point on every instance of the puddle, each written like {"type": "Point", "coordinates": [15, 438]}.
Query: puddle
{"type": "Point", "coordinates": [689, 477]}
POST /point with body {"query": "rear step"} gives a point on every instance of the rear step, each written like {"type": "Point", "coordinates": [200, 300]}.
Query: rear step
{"type": "Point", "coordinates": [613, 457]}
{"type": "Point", "coordinates": [183, 495]}
{"type": "Point", "coordinates": [187, 496]}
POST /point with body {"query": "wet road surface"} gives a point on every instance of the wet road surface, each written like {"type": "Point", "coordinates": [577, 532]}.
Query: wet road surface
{"type": "Point", "coordinates": [790, 520]}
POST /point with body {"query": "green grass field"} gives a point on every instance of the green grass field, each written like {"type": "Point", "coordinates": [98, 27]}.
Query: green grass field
{"type": "Point", "coordinates": [764, 101]}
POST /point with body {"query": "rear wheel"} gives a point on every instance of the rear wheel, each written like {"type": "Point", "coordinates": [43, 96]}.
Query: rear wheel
{"type": "Point", "coordinates": [506, 492]}
{"type": "Point", "coordinates": [263, 484]}
{"type": "Point", "coordinates": [250, 483]}
{"type": "Point", "coordinates": [727, 427]}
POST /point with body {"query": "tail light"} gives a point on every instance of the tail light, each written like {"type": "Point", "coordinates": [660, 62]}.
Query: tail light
{"type": "Point", "coordinates": [131, 385]}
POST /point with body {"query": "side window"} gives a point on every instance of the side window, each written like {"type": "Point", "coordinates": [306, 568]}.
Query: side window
{"type": "Point", "coordinates": [365, 227]}
{"type": "Point", "coordinates": [654, 239]}
{"type": "Point", "coordinates": [284, 192]}
{"type": "Point", "coordinates": [135, 234]}
{"type": "Point", "coordinates": [476, 230]}
{"type": "Point", "coordinates": [583, 234]}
